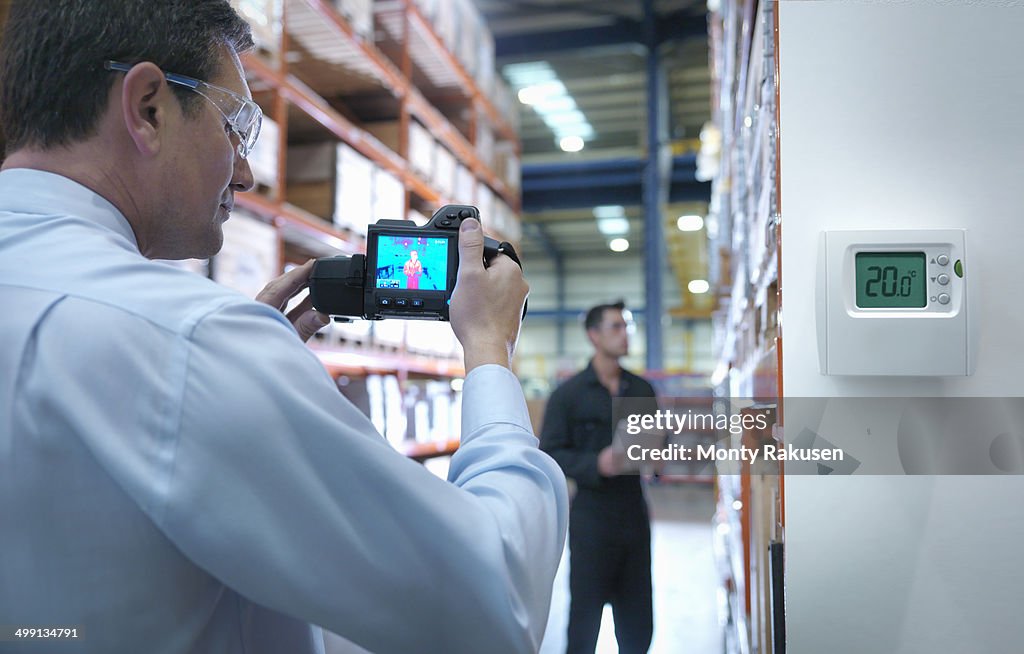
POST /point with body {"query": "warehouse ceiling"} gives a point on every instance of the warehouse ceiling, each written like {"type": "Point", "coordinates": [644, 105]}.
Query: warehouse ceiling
{"type": "Point", "coordinates": [595, 49]}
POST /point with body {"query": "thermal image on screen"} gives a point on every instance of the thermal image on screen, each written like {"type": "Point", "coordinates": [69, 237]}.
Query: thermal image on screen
{"type": "Point", "coordinates": [412, 263]}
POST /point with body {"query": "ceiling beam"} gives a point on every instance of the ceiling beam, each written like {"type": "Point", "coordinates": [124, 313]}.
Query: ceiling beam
{"type": "Point", "coordinates": [676, 25]}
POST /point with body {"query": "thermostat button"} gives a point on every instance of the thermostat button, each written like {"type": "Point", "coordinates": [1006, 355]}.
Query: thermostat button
{"type": "Point", "coordinates": [943, 279]}
{"type": "Point", "coordinates": [943, 298]}
{"type": "Point", "coordinates": [942, 260]}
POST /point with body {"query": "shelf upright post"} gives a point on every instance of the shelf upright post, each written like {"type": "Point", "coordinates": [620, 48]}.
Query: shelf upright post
{"type": "Point", "coordinates": [281, 118]}
{"type": "Point", "coordinates": [403, 101]}
{"type": "Point", "coordinates": [655, 193]}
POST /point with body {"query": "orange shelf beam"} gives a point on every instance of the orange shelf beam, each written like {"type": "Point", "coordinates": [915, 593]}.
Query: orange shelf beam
{"type": "Point", "coordinates": [283, 214]}
{"type": "Point", "coordinates": [357, 362]}
{"type": "Point", "coordinates": [493, 115]}
{"type": "Point", "coordinates": [423, 451]}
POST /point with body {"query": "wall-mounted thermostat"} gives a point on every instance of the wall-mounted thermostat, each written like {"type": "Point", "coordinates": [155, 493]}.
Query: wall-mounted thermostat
{"type": "Point", "coordinates": [893, 302]}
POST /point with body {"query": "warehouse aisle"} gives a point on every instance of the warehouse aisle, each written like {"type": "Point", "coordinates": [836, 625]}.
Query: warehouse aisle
{"type": "Point", "coordinates": [685, 583]}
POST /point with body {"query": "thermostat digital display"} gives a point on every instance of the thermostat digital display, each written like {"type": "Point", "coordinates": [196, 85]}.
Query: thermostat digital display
{"type": "Point", "coordinates": [893, 302]}
{"type": "Point", "coordinates": [890, 279]}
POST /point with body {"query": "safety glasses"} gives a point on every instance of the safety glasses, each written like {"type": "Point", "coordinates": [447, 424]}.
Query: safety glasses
{"type": "Point", "coordinates": [243, 116]}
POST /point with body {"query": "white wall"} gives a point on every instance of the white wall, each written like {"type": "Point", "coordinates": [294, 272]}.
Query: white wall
{"type": "Point", "coordinates": [904, 115]}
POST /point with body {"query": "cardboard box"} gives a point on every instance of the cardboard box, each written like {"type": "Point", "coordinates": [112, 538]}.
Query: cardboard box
{"type": "Point", "coordinates": [387, 132]}
{"type": "Point", "coordinates": [249, 257]}
{"type": "Point", "coordinates": [388, 196]}
{"type": "Point", "coordinates": [263, 158]}
{"type": "Point", "coordinates": [465, 186]}
{"type": "Point", "coordinates": [318, 198]}
{"type": "Point", "coordinates": [445, 168]}
{"type": "Point", "coordinates": [421, 149]}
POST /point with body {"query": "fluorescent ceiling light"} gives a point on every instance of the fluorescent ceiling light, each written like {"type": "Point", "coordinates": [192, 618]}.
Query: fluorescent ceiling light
{"type": "Point", "coordinates": [613, 226]}
{"type": "Point", "coordinates": [553, 104]}
{"type": "Point", "coordinates": [529, 73]}
{"type": "Point", "coordinates": [574, 117]}
{"type": "Point", "coordinates": [690, 223]}
{"type": "Point", "coordinates": [609, 211]}
{"type": "Point", "coordinates": [584, 131]}
{"type": "Point", "coordinates": [618, 245]}
{"type": "Point", "coordinates": [538, 93]}
{"type": "Point", "coordinates": [698, 286]}
{"type": "Point", "coordinates": [571, 143]}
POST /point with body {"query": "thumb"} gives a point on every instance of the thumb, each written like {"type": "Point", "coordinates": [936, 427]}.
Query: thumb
{"type": "Point", "coordinates": [471, 245]}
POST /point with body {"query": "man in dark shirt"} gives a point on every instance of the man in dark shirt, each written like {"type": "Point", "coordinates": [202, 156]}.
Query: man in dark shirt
{"type": "Point", "coordinates": [609, 530]}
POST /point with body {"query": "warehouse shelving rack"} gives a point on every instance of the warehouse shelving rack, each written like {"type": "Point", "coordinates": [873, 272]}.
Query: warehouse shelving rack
{"type": "Point", "coordinates": [363, 60]}
{"type": "Point", "coordinates": [748, 334]}
{"type": "Point", "coordinates": [285, 87]}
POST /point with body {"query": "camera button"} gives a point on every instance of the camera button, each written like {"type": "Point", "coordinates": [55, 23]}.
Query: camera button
{"type": "Point", "coordinates": [446, 223]}
{"type": "Point", "coordinates": [384, 301]}
{"type": "Point", "coordinates": [401, 302]}
{"type": "Point", "coordinates": [417, 304]}
{"type": "Point", "coordinates": [466, 213]}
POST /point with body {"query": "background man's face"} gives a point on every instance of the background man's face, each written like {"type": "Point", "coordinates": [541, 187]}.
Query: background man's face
{"type": "Point", "coordinates": [611, 336]}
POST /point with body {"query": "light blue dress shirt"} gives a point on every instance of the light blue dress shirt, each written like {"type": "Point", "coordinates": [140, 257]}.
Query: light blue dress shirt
{"type": "Point", "coordinates": [178, 472]}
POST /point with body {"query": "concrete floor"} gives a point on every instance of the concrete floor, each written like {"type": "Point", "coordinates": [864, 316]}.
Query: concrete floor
{"type": "Point", "coordinates": [685, 582]}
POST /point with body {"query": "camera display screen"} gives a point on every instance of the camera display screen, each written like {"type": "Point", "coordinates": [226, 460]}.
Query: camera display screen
{"type": "Point", "coordinates": [407, 262]}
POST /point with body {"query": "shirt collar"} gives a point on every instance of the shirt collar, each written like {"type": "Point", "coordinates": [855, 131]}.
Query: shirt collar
{"type": "Point", "coordinates": [590, 376]}
{"type": "Point", "coordinates": [25, 190]}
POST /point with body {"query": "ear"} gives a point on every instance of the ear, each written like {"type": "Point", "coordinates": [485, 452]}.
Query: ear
{"type": "Point", "coordinates": [144, 106]}
{"type": "Point", "coordinates": [592, 336]}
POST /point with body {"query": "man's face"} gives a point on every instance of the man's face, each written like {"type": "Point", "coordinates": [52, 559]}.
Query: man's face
{"type": "Point", "coordinates": [413, 255]}
{"type": "Point", "coordinates": [611, 336]}
{"type": "Point", "coordinates": [204, 172]}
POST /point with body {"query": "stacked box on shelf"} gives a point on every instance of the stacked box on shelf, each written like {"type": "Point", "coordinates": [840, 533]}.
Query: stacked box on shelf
{"type": "Point", "coordinates": [485, 145]}
{"type": "Point", "coordinates": [505, 102]}
{"type": "Point", "coordinates": [264, 17]}
{"type": "Point", "coordinates": [389, 334]}
{"type": "Point", "coordinates": [485, 203]}
{"type": "Point", "coordinates": [359, 14]}
{"type": "Point", "coordinates": [465, 186]}
{"type": "Point", "coordinates": [333, 181]}
{"type": "Point", "coordinates": [417, 217]}
{"type": "Point", "coordinates": [387, 132]}
{"type": "Point", "coordinates": [249, 257]}
{"type": "Point", "coordinates": [506, 164]}
{"type": "Point", "coordinates": [263, 158]}
{"type": "Point", "coordinates": [446, 23]}
{"type": "Point", "coordinates": [445, 168]}
{"type": "Point", "coordinates": [388, 196]}
{"type": "Point", "coordinates": [421, 149]}
{"type": "Point", "coordinates": [310, 178]}
{"type": "Point", "coordinates": [469, 25]}
{"type": "Point", "coordinates": [485, 65]}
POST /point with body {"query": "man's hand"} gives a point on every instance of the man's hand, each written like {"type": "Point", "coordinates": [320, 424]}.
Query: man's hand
{"type": "Point", "coordinates": [609, 462]}
{"type": "Point", "coordinates": [306, 320]}
{"type": "Point", "coordinates": [487, 303]}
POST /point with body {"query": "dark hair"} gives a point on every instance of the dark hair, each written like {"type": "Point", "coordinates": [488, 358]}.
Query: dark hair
{"type": "Point", "coordinates": [596, 314]}
{"type": "Point", "coordinates": [53, 86]}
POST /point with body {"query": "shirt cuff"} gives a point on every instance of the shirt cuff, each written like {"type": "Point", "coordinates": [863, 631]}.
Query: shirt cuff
{"type": "Point", "coordinates": [492, 394]}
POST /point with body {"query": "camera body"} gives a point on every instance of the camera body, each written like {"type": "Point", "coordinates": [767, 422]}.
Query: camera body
{"type": "Point", "coordinates": [407, 272]}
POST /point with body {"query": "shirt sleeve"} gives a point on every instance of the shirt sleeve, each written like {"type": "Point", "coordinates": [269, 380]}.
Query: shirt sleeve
{"type": "Point", "coordinates": [283, 490]}
{"type": "Point", "coordinates": [556, 438]}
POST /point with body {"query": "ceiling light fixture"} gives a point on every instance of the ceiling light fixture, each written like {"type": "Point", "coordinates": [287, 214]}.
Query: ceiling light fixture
{"type": "Point", "coordinates": [571, 143]}
{"type": "Point", "coordinates": [618, 245]}
{"type": "Point", "coordinates": [698, 286]}
{"type": "Point", "coordinates": [690, 223]}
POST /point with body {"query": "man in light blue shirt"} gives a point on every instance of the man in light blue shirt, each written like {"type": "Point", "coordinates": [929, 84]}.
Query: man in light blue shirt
{"type": "Point", "coordinates": [178, 473]}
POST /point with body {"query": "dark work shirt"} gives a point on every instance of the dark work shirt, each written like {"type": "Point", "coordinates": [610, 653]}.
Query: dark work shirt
{"type": "Point", "coordinates": [578, 425]}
